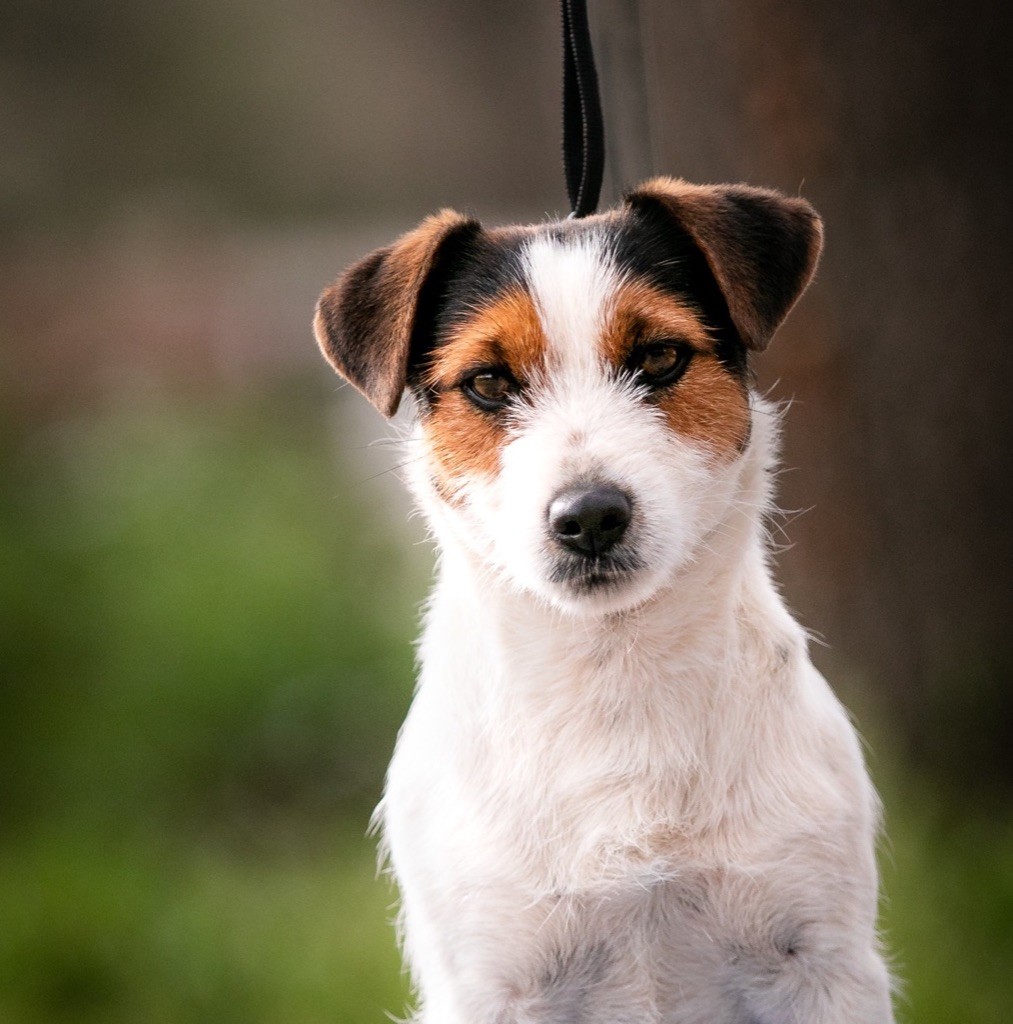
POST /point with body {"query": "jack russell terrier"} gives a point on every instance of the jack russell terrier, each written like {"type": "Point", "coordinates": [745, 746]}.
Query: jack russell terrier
{"type": "Point", "coordinates": [623, 793]}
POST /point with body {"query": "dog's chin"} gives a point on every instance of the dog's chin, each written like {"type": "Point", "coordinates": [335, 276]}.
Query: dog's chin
{"type": "Point", "coordinates": [600, 586]}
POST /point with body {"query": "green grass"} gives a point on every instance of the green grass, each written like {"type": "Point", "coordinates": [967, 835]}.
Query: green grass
{"type": "Point", "coordinates": [948, 910]}
{"type": "Point", "coordinates": [98, 929]}
{"type": "Point", "coordinates": [203, 616]}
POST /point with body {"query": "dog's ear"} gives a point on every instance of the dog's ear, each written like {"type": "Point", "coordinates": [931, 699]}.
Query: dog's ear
{"type": "Point", "coordinates": [367, 322]}
{"type": "Point", "coordinates": [761, 247]}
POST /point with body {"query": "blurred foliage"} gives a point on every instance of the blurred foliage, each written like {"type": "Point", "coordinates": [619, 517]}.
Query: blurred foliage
{"type": "Point", "coordinates": [206, 653]}
{"type": "Point", "coordinates": [202, 617]}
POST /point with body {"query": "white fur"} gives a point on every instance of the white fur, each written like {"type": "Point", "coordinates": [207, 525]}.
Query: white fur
{"type": "Point", "coordinates": [638, 807]}
{"type": "Point", "coordinates": [572, 284]}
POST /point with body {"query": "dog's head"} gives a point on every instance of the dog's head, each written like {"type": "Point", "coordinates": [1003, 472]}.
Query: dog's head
{"type": "Point", "coordinates": [582, 386]}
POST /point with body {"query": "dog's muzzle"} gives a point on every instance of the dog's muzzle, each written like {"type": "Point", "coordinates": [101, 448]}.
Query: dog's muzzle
{"type": "Point", "coordinates": [588, 523]}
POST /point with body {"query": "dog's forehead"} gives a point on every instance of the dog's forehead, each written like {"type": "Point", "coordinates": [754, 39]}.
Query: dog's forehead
{"type": "Point", "coordinates": [567, 268]}
{"type": "Point", "coordinates": [632, 245]}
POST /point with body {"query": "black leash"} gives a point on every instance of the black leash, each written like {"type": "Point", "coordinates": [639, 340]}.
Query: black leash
{"type": "Point", "coordinates": [583, 131]}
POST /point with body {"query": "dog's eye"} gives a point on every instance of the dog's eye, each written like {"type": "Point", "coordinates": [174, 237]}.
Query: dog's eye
{"type": "Point", "coordinates": [489, 390]}
{"type": "Point", "coordinates": [660, 362]}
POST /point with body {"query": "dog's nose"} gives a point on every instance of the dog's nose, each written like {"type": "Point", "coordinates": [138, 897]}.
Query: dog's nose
{"type": "Point", "coordinates": [590, 520]}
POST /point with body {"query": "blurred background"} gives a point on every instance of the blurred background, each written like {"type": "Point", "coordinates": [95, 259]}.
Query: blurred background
{"type": "Point", "coordinates": [208, 580]}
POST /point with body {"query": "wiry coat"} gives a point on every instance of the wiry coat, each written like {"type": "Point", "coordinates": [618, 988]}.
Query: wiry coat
{"type": "Point", "coordinates": [623, 794]}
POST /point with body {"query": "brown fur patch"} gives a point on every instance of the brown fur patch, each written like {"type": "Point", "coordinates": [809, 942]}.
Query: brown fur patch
{"type": "Point", "coordinates": [464, 440]}
{"type": "Point", "coordinates": [505, 332]}
{"type": "Point", "coordinates": [642, 312]}
{"type": "Point", "coordinates": [708, 404]}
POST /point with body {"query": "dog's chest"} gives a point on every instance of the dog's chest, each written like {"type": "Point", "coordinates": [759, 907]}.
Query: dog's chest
{"type": "Point", "coordinates": [588, 900]}
{"type": "Point", "coordinates": [571, 769]}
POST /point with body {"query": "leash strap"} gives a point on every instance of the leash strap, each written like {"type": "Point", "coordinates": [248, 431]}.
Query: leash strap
{"type": "Point", "coordinates": [583, 131]}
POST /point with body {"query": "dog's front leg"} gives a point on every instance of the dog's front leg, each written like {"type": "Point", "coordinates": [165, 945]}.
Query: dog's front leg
{"type": "Point", "coordinates": [452, 989]}
{"type": "Point", "coordinates": [459, 936]}
{"type": "Point", "coordinates": [428, 958]}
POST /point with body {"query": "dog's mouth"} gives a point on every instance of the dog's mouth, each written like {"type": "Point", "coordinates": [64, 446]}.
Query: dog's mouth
{"type": "Point", "coordinates": [592, 575]}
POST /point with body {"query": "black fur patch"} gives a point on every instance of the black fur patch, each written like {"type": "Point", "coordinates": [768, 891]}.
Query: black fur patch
{"type": "Point", "coordinates": [650, 246]}
{"type": "Point", "coordinates": [470, 274]}
{"type": "Point", "coordinates": [761, 247]}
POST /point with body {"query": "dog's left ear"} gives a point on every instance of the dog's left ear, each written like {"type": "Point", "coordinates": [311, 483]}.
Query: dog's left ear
{"type": "Point", "coordinates": [367, 322]}
{"type": "Point", "coordinates": [761, 247]}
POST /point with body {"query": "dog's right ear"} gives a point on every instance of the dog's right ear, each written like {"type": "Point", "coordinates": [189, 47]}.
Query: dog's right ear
{"type": "Point", "coordinates": [367, 320]}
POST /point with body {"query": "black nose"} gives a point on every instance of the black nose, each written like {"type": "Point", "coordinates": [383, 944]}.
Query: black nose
{"type": "Point", "coordinates": [590, 520]}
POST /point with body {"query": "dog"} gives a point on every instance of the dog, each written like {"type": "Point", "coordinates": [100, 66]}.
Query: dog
{"type": "Point", "coordinates": [623, 794]}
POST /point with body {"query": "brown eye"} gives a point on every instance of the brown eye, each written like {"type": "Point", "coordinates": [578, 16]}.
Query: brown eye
{"type": "Point", "coordinates": [660, 363]}
{"type": "Point", "coordinates": [489, 390]}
